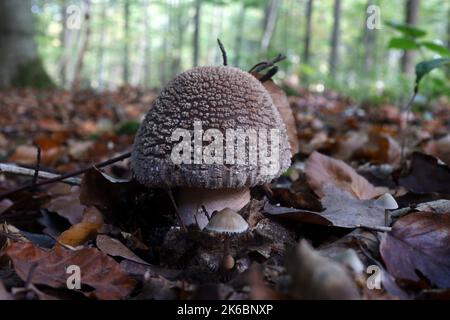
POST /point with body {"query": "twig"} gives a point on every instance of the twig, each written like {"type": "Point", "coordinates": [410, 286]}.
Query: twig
{"type": "Point", "coordinates": [172, 199]}
{"type": "Point", "coordinates": [206, 212]}
{"type": "Point", "coordinates": [66, 176]}
{"type": "Point", "coordinates": [376, 228]}
{"type": "Point", "coordinates": [10, 236]}
{"type": "Point", "coordinates": [21, 171]}
{"type": "Point", "coordinates": [269, 74]}
{"type": "Point", "coordinates": [38, 166]}
{"type": "Point", "coordinates": [267, 64]}
{"type": "Point", "coordinates": [224, 53]}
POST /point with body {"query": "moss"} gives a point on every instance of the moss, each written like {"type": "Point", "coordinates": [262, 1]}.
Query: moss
{"type": "Point", "coordinates": [32, 74]}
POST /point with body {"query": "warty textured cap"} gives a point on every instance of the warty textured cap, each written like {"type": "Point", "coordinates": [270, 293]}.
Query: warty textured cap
{"type": "Point", "coordinates": [221, 98]}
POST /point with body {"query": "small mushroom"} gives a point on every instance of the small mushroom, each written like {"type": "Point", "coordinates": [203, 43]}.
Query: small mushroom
{"type": "Point", "coordinates": [387, 202]}
{"type": "Point", "coordinates": [227, 222]}
{"type": "Point", "coordinates": [221, 98]}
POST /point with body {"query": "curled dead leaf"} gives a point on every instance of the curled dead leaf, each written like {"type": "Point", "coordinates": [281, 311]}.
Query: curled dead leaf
{"type": "Point", "coordinates": [86, 230]}
{"type": "Point", "coordinates": [321, 170]}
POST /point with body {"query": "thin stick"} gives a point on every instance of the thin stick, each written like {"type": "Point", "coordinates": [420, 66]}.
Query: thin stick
{"type": "Point", "coordinates": [269, 74]}
{"type": "Point", "coordinates": [180, 221]}
{"type": "Point", "coordinates": [267, 64]}
{"type": "Point", "coordinates": [21, 171]}
{"type": "Point", "coordinates": [38, 166]}
{"type": "Point", "coordinates": [224, 53]}
{"type": "Point", "coordinates": [67, 175]}
{"type": "Point", "coordinates": [205, 212]}
{"type": "Point", "coordinates": [376, 228]}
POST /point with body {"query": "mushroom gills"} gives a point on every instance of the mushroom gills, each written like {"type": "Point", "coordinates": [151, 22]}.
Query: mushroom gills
{"type": "Point", "coordinates": [191, 200]}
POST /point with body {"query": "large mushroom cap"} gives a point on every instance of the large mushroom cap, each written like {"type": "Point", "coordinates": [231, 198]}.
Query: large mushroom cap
{"type": "Point", "coordinates": [221, 98]}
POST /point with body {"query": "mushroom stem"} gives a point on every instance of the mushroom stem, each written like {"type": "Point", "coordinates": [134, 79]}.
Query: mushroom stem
{"type": "Point", "coordinates": [191, 200]}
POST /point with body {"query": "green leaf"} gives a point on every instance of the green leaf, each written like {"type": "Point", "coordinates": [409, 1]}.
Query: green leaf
{"type": "Point", "coordinates": [403, 44]}
{"type": "Point", "coordinates": [443, 51]}
{"type": "Point", "coordinates": [407, 30]}
{"type": "Point", "coordinates": [425, 67]}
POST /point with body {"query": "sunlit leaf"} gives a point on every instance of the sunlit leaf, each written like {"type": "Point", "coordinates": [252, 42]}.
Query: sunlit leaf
{"type": "Point", "coordinates": [407, 30]}
{"type": "Point", "coordinates": [425, 67]}
{"type": "Point", "coordinates": [440, 49]}
{"type": "Point", "coordinates": [403, 43]}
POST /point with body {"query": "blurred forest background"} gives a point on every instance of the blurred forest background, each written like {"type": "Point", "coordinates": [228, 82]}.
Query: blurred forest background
{"type": "Point", "coordinates": [365, 49]}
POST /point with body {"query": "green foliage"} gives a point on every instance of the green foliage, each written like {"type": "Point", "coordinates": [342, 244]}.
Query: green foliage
{"type": "Point", "coordinates": [407, 30]}
{"type": "Point", "coordinates": [425, 67]}
{"type": "Point", "coordinates": [403, 44]}
{"type": "Point", "coordinates": [439, 49]}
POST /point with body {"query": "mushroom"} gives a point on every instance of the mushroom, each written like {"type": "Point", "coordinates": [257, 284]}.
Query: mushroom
{"type": "Point", "coordinates": [387, 202]}
{"type": "Point", "coordinates": [221, 98]}
{"type": "Point", "coordinates": [227, 221]}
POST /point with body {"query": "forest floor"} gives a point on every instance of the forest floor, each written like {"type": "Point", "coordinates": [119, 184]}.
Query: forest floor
{"type": "Point", "coordinates": [124, 236]}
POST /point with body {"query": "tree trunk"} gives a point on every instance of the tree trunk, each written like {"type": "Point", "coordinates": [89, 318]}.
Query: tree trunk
{"type": "Point", "coordinates": [63, 40]}
{"type": "Point", "coordinates": [239, 33]}
{"type": "Point", "coordinates": [369, 39]}
{"type": "Point", "coordinates": [101, 50]}
{"type": "Point", "coordinates": [308, 32]}
{"type": "Point", "coordinates": [148, 46]}
{"type": "Point", "coordinates": [335, 39]}
{"type": "Point", "coordinates": [270, 19]}
{"type": "Point", "coordinates": [19, 61]}
{"type": "Point", "coordinates": [126, 32]}
{"type": "Point", "coordinates": [196, 40]}
{"type": "Point", "coordinates": [412, 19]}
{"type": "Point", "coordinates": [84, 47]}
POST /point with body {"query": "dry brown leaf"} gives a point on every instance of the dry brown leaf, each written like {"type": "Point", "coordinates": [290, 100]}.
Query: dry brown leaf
{"type": "Point", "coordinates": [115, 248]}
{"type": "Point", "coordinates": [281, 101]}
{"type": "Point", "coordinates": [321, 170]}
{"type": "Point", "coordinates": [419, 243]}
{"type": "Point", "coordinates": [86, 230]}
{"type": "Point", "coordinates": [25, 154]}
{"type": "Point", "coordinates": [66, 203]}
{"type": "Point", "coordinates": [49, 268]}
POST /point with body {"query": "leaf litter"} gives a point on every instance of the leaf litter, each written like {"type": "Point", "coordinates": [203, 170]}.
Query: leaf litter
{"type": "Point", "coordinates": [314, 232]}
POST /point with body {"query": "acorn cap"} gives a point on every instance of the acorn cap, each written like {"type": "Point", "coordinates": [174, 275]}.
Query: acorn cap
{"type": "Point", "coordinates": [227, 221]}
{"type": "Point", "coordinates": [221, 98]}
{"type": "Point", "coordinates": [386, 201]}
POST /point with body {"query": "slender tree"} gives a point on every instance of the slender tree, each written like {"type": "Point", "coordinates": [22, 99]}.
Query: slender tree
{"type": "Point", "coordinates": [308, 32]}
{"type": "Point", "coordinates": [148, 45]}
{"type": "Point", "coordinates": [63, 40]}
{"type": "Point", "coordinates": [412, 19]}
{"type": "Point", "coordinates": [101, 48]}
{"type": "Point", "coordinates": [84, 46]}
{"type": "Point", "coordinates": [239, 34]}
{"type": "Point", "coordinates": [196, 39]}
{"type": "Point", "coordinates": [269, 23]}
{"type": "Point", "coordinates": [20, 64]}
{"type": "Point", "coordinates": [126, 31]}
{"type": "Point", "coordinates": [369, 40]}
{"type": "Point", "coordinates": [335, 39]}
